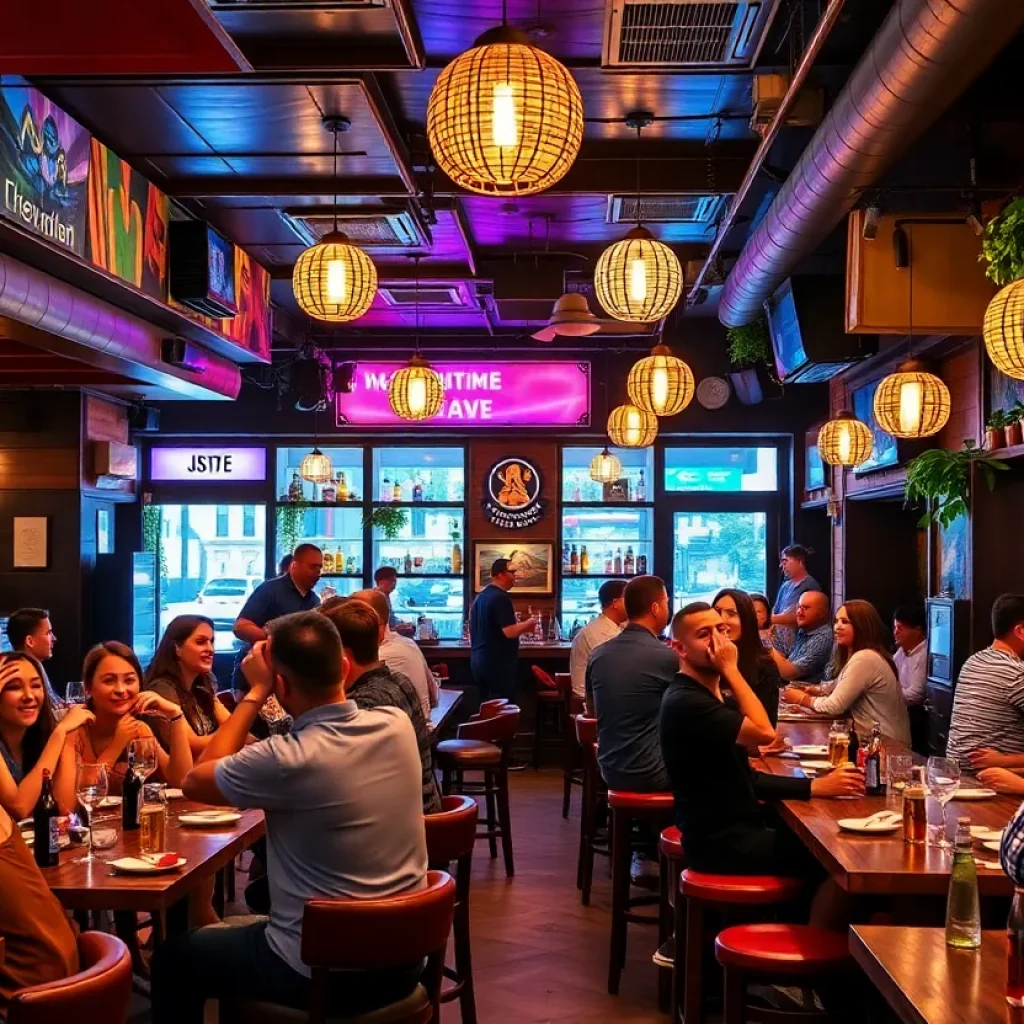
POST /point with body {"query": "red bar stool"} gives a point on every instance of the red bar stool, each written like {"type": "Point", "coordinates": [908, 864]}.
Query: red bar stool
{"type": "Point", "coordinates": [704, 891]}
{"type": "Point", "coordinates": [99, 992]}
{"type": "Point", "coordinates": [451, 836]}
{"type": "Point", "coordinates": [594, 793]}
{"type": "Point", "coordinates": [550, 709]}
{"type": "Point", "coordinates": [489, 708]}
{"type": "Point", "coordinates": [484, 746]}
{"type": "Point", "coordinates": [627, 809]}
{"type": "Point", "coordinates": [778, 954]}
{"type": "Point", "coordinates": [670, 848]}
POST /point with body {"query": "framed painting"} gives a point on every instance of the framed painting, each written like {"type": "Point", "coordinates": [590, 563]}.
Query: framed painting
{"type": "Point", "coordinates": [884, 451]}
{"type": "Point", "coordinates": [531, 563]}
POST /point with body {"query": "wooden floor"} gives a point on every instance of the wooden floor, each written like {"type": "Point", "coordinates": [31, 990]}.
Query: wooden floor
{"type": "Point", "coordinates": [539, 955]}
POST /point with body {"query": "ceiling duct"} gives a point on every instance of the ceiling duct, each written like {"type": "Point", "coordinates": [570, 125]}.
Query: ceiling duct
{"type": "Point", "coordinates": [434, 295]}
{"type": "Point", "coordinates": [924, 55]}
{"type": "Point", "coordinates": [366, 227]}
{"type": "Point", "coordinates": [665, 209]}
{"type": "Point", "coordinates": [685, 33]}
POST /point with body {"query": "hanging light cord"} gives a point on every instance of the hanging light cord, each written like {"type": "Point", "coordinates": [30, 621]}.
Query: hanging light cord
{"type": "Point", "coordinates": [910, 267]}
{"type": "Point", "coordinates": [335, 131]}
{"type": "Point", "coordinates": [416, 305]}
{"type": "Point", "coordinates": [639, 222]}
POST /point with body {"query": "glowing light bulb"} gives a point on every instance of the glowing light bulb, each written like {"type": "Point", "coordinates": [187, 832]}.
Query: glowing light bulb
{"type": "Point", "coordinates": [417, 393]}
{"type": "Point", "coordinates": [337, 285]}
{"type": "Point", "coordinates": [504, 126]}
{"type": "Point", "coordinates": [845, 444]}
{"type": "Point", "coordinates": [634, 426]}
{"type": "Point", "coordinates": [659, 388]}
{"type": "Point", "coordinates": [637, 280]}
{"type": "Point", "coordinates": [911, 406]}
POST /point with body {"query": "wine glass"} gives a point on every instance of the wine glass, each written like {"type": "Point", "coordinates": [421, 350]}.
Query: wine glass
{"type": "Point", "coordinates": [91, 787]}
{"type": "Point", "coordinates": [143, 756]}
{"type": "Point", "coordinates": [943, 779]}
{"type": "Point", "coordinates": [75, 693]}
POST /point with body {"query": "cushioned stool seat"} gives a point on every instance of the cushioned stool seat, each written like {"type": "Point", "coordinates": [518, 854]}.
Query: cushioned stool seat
{"type": "Point", "coordinates": [654, 802]}
{"type": "Point", "coordinates": [785, 949]}
{"type": "Point", "coordinates": [550, 696]}
{"type": "Point", "coordinates": [745, 889]}
{"type": "Point", "coordinates": [467, 752]}
{"type": "Point", "coordinates": [671, 843]}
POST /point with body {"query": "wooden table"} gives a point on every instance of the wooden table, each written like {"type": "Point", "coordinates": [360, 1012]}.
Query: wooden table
{"type": "Point", "coordinates": [447, 701]}
{"type": "Point", "coordinates": [926, 982]}
{"type": "Point", "coordinates": [95, 887]}
{"type": "Point", "coordinates": [882, 864]}
{"type": "Point", "coordinates": [455, 650]}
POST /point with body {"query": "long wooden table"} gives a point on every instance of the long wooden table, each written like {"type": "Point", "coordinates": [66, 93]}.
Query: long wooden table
{"type": "Point", "coordinates": [882, 864]}
{"type": "Point", "coordinates": [95, 886]}
{"type": "Point", "coordinates": [926, 982]}
{"type": "Point", "coordinates": [447, 701]}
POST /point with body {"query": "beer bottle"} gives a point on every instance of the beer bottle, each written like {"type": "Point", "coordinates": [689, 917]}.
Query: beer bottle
{"type": "Point", "coordinates": [45, 827]}
{"type": "Point", "coordinates": [131, 797]}
{"type": "Point", "coordinates": [963, 914]}
{"type": "Point", "coordinates": [854, 746]}
{"type": "Point", "coordinates": [873, 785]}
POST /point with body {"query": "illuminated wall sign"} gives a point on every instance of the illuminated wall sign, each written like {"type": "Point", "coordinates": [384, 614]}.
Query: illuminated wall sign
{"type": "Point", "coordinates": [499, 394]}
{"type": "Point", "coordinates": [512, 495]}
{"type": "Point", "coordinates": [237, 465]}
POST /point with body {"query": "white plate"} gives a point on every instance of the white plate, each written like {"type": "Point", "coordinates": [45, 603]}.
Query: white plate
{"type": "Point", "coordinates": [810, 750]}
{"type": "Point", "coordinates": [144, 865]}
{"type": "Point", "coordinates": [988, 835]}
{"type": "Point", "coordinates": [209, 819]}
{"type": "Point", "coordinates": [109, 801]}
{"type": "Point", "coordinates": [991, 844]}
{"type": "Point", "coordinates": [874, 828]}
{"type": "Point", "coordinates": [974, 794]}
{"type": "Point", "coordinates": [173, 794]}
{"type": "Point", "coordinates": [824, 766]}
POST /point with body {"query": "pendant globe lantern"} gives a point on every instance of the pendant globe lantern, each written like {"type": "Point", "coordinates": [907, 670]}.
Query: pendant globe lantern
{"type": "Point", "coordinates": [661, 383]}
{"type": "Point", "coordinates": [631, 427]}
{"type": "Point", "coordinates": [416, 392]}
{"type": "Point", "coordinates": [505, 118]}
{"type": "Point", "coordinates": [845, 441]}
{"type": "Point", "coordinates": [1004, 330]}
{"type": "Point", "coordinates": [316, 468]}
{"type": "Point", "coordinates": [605, 468]}
{"type": "Point", "coordinates": [912, 402]}
{"type": "Point", "coordinates": [334, 280]}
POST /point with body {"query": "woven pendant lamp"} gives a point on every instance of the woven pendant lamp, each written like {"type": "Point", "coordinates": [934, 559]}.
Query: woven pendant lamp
{"type": "Point", "coordinates": [631, 427]}
{"type": "Point", "coordinates": [416, 392]}
{"type": "Point", "coordinates": [661, 383]}
{"type": "Point", "coordinates": [912, 402]}
{"type": "Point", "coordinates": [505, 118]}
{"type": "Point", "coordinates": [316, 467]}
{"type": "Point", "coordinates": [1004, 330]}
{"type": "Point", "coordinates": [845, 441]}
{"type": "Point", "coordinates": [605, 468]}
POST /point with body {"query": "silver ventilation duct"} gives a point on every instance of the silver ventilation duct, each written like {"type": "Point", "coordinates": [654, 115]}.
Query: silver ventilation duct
{"type": "Point", "coordinates": [31, 297]}
{"type": "Point", "coordinates": [925, 54]}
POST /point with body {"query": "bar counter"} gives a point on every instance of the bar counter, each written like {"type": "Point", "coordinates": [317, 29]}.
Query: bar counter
{"type": "Point", "coordinates": [446, 650]}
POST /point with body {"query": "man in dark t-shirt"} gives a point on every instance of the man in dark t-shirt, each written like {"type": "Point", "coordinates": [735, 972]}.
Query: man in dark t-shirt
{"type": "Point", "coordinates": [704, 741]}
{"type": "Point", "coordinates": [494, 635]}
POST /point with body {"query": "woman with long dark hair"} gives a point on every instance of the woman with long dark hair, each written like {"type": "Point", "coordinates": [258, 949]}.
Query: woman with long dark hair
{"type": "Point", "coordinates": [32, 740]}
{"type": "Point", "coordinates": [182, 672]}
{"type": "Point", "coordinates": [755, 664]}
{"type": "Point", "coordinates": [866, 683]}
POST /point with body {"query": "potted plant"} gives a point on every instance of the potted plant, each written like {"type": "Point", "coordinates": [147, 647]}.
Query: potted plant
{"type": "Point", "coordinates": [1014, 429]}
{"type": "Point", "coordinates": [941, 479]}
{"type": "Point", "coordinates": [388, 519]}
{"type": "Point", "coordinates": [995, 435]}
{"type": "Point", "coordinates": [1002, 245]}
{"type": "Point", "coordinates": [750, 351]}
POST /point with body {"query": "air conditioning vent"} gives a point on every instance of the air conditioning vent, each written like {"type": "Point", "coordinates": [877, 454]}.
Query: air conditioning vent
{"type": "Point", "coordinates": [685, 33]}
{"type": "Point", "coordinates": [453, 295]}
{"type": "Point", "coordinates": [669, 209]}
{"type": "Point", "coordinates": [291, 5]}
{"type": "Point", "coordinates": [370, 229]}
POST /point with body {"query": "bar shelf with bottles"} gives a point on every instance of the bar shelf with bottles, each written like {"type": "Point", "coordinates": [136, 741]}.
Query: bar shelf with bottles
{"type": "Point", "coordinates": [607, 529]}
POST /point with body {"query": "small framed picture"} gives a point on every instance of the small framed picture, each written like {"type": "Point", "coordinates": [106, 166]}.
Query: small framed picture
{"type": "Point", "coordinates": [532, 564]}
{"type": "Point", "coordinates": [31, 536]}
{"type": "Point", "coordinates": [617, 491]}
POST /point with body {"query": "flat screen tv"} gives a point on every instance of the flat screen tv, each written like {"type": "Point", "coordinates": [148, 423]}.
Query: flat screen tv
{"type": "Point", "coordinates": [948, 632]}
{"type": "Point", "coordinates": [202, 269]}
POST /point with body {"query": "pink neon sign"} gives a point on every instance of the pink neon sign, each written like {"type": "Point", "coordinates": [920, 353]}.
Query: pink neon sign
{"type": "Point", "coordinates": [522, 394]}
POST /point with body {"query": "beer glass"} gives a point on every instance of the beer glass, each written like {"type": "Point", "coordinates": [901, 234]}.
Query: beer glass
{"type": "Point", "coordinates": [838, 742]}
{"type": "Point", "coordinates": [153, 819]}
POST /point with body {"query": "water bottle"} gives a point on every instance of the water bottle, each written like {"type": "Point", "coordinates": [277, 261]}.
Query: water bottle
{"type": "Point", "coordinates": [963, 916]}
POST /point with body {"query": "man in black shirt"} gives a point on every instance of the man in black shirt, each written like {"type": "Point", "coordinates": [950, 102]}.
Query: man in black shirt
{"type": "Point", "coordinates": [704, 745]}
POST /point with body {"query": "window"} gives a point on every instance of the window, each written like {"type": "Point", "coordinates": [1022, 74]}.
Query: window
{"type": "Point", "coordinates": [637, 474]}
{"type": "Point", "coordinates": [347, 484]}
{"type": "Point", "coordinates": [208, 564]}
{"type": "Point", "coordinates": [419, 474]}
{"type": "Point", "coordinates": [712, 550]}
{"type": "Point", "coordinates": [338, 532]}
{"type": "Point", "coordinates": [721, 469]}
{"type": "Point", "coordinates": [248, 520]}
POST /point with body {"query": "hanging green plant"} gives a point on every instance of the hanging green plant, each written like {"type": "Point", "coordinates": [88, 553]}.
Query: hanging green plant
{"type": "Point", "coordinates": [750, 344]}
{"type": "Point", "coordinates": [941, 479]}
{"type": "Point", "coordinates": [388, 519]}
{"type": "Point", "coordinates": [151, 540]}
{"type": "Point", "coordinates": [1002, 245]}
{"type": "Point", "coordinates": [290, 522]}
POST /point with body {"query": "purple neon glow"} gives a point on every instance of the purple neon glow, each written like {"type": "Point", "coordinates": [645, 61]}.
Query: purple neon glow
{"type": "Point", "coordinates": [522, 394]}
{"type": "Point", "coordinates": [198, 464]}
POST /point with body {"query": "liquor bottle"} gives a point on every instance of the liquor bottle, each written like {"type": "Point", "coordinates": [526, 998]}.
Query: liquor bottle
{"type": "Point", "coordinates": [342, 488]}
{"type": "Point", "coordinates": [407, 563]}
{"type": "Point", "coordinates": [617, 564]}
{"type": "Point", "coordinates": [538, 628]}
{"type": "Point", "coordinates": [641, 488]}
{"type": "Point", "coordinates": [456, 553]}
{"type": "Point", "coordinates": [641, 565]}
{"type": "Point", "coordinates": [351, 566]}
{"type": "Point", "coordinates": [853, 751]}
{"type": "Point", "coordinates": [1015, 950]}
{"type": "Point", "coordinates": [417, 491]}
{"type": "Point", "coordinates": [608, 563]}
{"type": "Point", "coordinates": [131, 797]}
{"type": "Point", "coordinates": [329, 492]}
{"type": "Point", "coordinates": [584, 561]}
{"type": "Point", "coordinates": [566, 563]}
{"type": "Point", "coordinates": [574, 561]}
{"type": "Point", "coordinates": [963, 915]}
{"type": "Point", "coordinates": [552, 630]}
{"type": "Point", "coordinates": [45, 828]}
{"type": "Point", "coordinates": [328, 562]}
{"type": "Point", "coordinates": [386, 490]}
{"type": "Point", "coordinates": [465, 631]}
{"type": "Point", "coordinates": [396, 492]}
{"type": "Point", "coordinates": [629, 565]}
{"type": "Point", "coordinates": [873, 785]}
{"type": "Point", "coordinates": [295, 488]}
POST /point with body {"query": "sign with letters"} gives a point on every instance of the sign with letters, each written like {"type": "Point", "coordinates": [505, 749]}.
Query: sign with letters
{"type": "Point", "coordinates": [512, 495]}
{"type": "Point", "coordinates": [184, 464]}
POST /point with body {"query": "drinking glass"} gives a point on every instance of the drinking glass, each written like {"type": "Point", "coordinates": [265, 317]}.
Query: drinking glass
{"type": "Point", "coordinates": [942, 776]}
{"type": "Point", "coordinates": [142, 752]}
{"type": "Point", "coordinates": [900, 771]}
{"type": "Point", "coordinates": [153, 819]}
{"type": "Point", "coordinates": [75, 693]}
{"type": "Point", "coordinates": [838, 742]}
{"type": "Point", "coordinates": [91, 787]}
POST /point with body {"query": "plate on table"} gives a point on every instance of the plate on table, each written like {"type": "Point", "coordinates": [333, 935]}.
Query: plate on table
{"type": "Point", "coordinates": [810, 750]}
{"type": "Point", "coordinates": [986, 835]}
{"type": "Point", "coordinates": [209, 819]}
{"type": "Point", "coordinates": [819, 766]}
{"type": "Point", "coordinates": [173, 794]}
{"type": "Point", "coordinates": [147, 864]}
{"type": "Point", "coordinates": [991, 844]}
{"type": "Point", "coordinates": [877, 824]}
{"type": "Point", "coordinates": [108, 801]}
{"type": "Point", "coordinates": [975, 793]}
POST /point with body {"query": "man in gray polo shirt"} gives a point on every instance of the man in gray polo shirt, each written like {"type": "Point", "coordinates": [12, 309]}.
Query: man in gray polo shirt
{"type": "Point", "coordinates": [341, 793]}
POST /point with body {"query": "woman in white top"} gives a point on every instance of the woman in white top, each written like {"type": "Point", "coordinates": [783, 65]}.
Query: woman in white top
{"type": "Point", "coordinates": [867, 686]}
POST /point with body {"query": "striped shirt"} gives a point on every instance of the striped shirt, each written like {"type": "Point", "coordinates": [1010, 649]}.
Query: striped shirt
{"type": "Point", "coordinates": [988, 707]}
{"type": "Point", "coordinates": [1011, 849]}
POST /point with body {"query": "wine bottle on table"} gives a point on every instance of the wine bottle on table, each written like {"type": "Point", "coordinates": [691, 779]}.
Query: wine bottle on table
{"type": "Point", "coordinates": [131, 797]}
{"type": "Point", "coordinates": [45, 827]}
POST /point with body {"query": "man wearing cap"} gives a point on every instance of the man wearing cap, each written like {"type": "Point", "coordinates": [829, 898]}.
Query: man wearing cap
{"type": "Point", "coordinates": [494, 635]}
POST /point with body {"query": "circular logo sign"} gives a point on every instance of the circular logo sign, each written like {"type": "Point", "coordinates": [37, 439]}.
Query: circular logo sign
{"type": "Point", "coordinates": [512, 497]}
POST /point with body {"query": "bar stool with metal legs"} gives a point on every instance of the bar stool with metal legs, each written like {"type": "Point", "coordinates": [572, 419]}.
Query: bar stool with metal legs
{"type": "Point", "coordinates": [572, 752]}
{"type": "Point", "coordinates": [594, 793]}
{"type": "Point", "coordinates": [451, 836]}
{"type": "Point", "coordinates": [670, 848]}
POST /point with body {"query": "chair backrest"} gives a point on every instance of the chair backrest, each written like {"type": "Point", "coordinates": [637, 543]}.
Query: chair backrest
{"type": "Point", "coordinates": [586, 730]}
{"type": "Point", "coordinates": [228, 699]}
{"type": "Point", "coordinates": [440, 669]}
{"type": "Point", "coordinates": [544, 680]}
{"type": "Point", "coordinates": [99, 992]}
{"type": "Point", "coordinates": [363, 934]}
{"type": "Point", "coordinates": [451, 834]}
{"type": "Point", "coordinates": [563, 680]}
{"type": "Point", "coordinates": [500, 729]}
{"type": "Point", "coordinates": [489, 708]}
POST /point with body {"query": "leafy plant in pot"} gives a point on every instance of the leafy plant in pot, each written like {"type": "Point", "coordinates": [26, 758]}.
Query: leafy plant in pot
{"type": "Point", "coordinates": [388, 519]}
{"type": "Point", "coordinates": [941, 478]}
{"type": "Point", "coordinates": [995, 429]}
{"type": "Point", "coordinates": [1014, 429]}
{"type": "Point", "coordinates": [750, 352]}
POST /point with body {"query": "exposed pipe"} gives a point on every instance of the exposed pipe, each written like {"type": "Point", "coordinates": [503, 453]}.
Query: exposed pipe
{"type": "Point", "coordinates": [924, 55]}
{"type": "Point", "coordinates": [31, 297]}
{"type": "Point", "coordinates": [807, 59]}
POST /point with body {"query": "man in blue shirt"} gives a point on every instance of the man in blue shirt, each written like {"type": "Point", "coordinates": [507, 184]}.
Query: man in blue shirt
{"type": "Point", "coordinates": [494, 635]}
{"type": "Point", "coordinates": [812, 649]}
{"type": "Point", "coordinates": [282, 595]}
{"type": "Point", "coordinates": [626, 679]}
{"type": "Point", "coordinates": [793, 564]}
